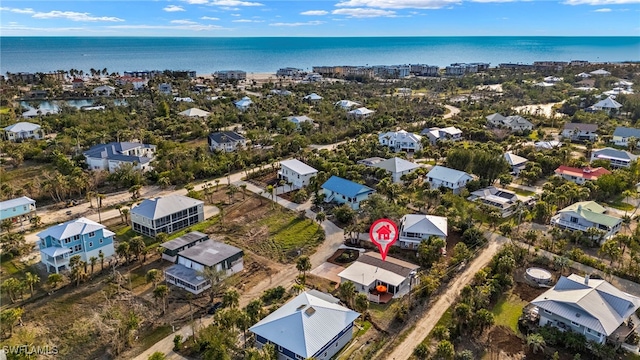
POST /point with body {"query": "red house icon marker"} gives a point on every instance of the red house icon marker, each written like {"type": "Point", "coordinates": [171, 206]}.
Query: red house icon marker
{"type": "Point", "coordinates": [384, 233]}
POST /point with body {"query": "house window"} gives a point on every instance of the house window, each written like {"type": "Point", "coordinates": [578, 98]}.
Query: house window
{"type": "Point", "coordinates": [575, 324]}
{"type": "Point", "coordinates": [92, 234]}
{"type": "Point", "coordinates": [279, 348]}
{"type": "Point", "coordinates": [90, 244]}
{"type": "Point", "coordinates": [77, 248]}
{"type": "Point", "coordinates": [574, 220]}
{"type": "Point", "coordinates": [547, 311]}
{"type": "Point", "coordinates": [67, 240]}
{"type": "Point", "coordinates": [101, 241]}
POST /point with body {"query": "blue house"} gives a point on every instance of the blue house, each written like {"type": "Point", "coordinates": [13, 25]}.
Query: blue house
{"type": "Point", "coordinates": [18, 210]}
{"type": "Point", "coordinates": [344, 191]}
{"type": "Point", "coordinates": [313, 324]}
{"type": "Point", "coordinates": [76, 237]}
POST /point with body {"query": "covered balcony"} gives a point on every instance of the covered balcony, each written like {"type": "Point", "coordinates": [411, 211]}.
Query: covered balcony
{"type": "Point", "coordinates": [55, 258]}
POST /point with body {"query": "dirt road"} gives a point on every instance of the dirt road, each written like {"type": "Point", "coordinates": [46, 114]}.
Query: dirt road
{"type": "Point", "coordinates": [429, 319]}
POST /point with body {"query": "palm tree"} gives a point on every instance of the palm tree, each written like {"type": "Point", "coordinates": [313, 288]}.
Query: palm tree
{"type": "Point", "coordinates": [31, 279]}
{"type": "Point", "coordinates": [54, 280]}
{"type": "Point", "coordinates": [244, 190]}
{"type": "Point", "coordinates": [562, 263]}
{"type": "Point", "coordinates": [231, 298]}
{"type": "Point", "coordinates": [303, 265]}
{"type": "Point", "coordinates": [347, 291]}
{"type": "Point", "coordinates": [361, 303]}
{"type": "Point", "coordinates": [92, 261]}
{"type": "Point", "coordinates": [125, 213]}
{"type": "Point", "coordinates": [161, 292]}
{"type": "Point", "coordinates": [536, 342]}
{"type": "Point", "coordinates": [320, 217]}
{"type": "Point", "coordinates": [101, 256]}
{"type": "Point", "coordinates": [137, 246]}
{"type": "Point", "coordinates": [36, 221]}
{"type": "Point", "coordinates": [154, 276]}
{"type": "Point", "coordinates": [123, 250]}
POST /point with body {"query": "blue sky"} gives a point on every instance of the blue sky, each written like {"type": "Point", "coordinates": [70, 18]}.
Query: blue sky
{"type": "Point", "coordinates": [320, 18]}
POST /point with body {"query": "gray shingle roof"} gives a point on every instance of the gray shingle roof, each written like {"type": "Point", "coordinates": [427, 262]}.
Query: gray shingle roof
{"type": "Point", "coordinates": [163, 206]}
{"type": "Point", "coordinates": [209, 252]}
{"type": "Point", "coordinates": [581, 127]}
{"type": "Point", "coordinates": [224, 137]}
{"type": "Point", "coordinates": [114, 151]}
{"type": "Point", "coordinates": [183, 240]}
{"type": "Point", "coordinates": [626, 132]}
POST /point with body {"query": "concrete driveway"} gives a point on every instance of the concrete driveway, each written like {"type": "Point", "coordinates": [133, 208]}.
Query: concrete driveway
{"type": "Point", "coordinates": [328, 271]}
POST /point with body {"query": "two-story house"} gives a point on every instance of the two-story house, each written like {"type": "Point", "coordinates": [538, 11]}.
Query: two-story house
{"type": "Point", "coordinates": [505, 201]}
{"type": "Point", "coordinates": [166, 214]}
{"type": "Point", "coordinates": [416, 227]}
{"type": "Point", "coordinates": [360, 113]}
{"type": "Point", "coordinates": [513, 122]}
{"type": "Point", "coordinates": [23, 131]}
{"type": "Point", "coordinates": [397, 167]}
{"type": "Point", "coordinates": [226, 141]}
{"type": "Point", "coordinates": [81, 236]}
{"type": "Point", "coordinates": [516, 162]}
{"type": "Point", "coordinates": [584, 215]}
{"type": "Point", "coordinates": [436, 134]}
{"type": "Point", "coordinates": [580, 132]}
{"type": "Point", "coordinates": [580, 176]}
{"type": "Point", "coordinates": [401, 141]}
{"type": "Point", "coordinates": [297, 120]}
{"type": "Point", "coordinates": [622, 136]}
{"type": "Point", "coordinates": [591, 307]}
{"type": "Point", "coordinates": [113, 155]}
{"type": "Point", "coordinates": [17, 210]}
{"type": "Point", "coordinates": [440, 176]}
{"type": "Point", "coordinates": [165, 89]}
{"type": "Point", "coordinates": [617, 158]}
{"type": "Point", "coordinates": [343, 191]}
{"type": "Point", "coordinates": [296, 172]}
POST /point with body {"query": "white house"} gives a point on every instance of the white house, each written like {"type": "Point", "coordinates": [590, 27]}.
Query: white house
{"type": "Point", "coordinates": [369, 272]}
{"type": "Point", "coordinates": [416, 227]}
{"type": "Point", "coordinates": [580, 132]}
{"type": "Point", "coordinates": [76, 237]}
{"type": "Point", "coordinates": [441, 176]}
{"type": "Point", "coordinates": [313, 97]}
{"type": "Point", "coordinates": [401, 141]}
{"type": "Point", "coordinates": [346, 104]}
{"type": "Point", "coordinates": [617, 158]}
{"type": "Point", "coordinates": [226, 141]}
{"type": "Point", "coordinates": [361, 112]}
{"type": "Point", "coordinates": [136, 82]}
{"type": "Point", "coordinates": [165, 88]}
{"type": "Point", "coordinates": [622, 135]}
{"type": "Point", "coordinates": [310, 325]}
{"type": "Point", "coordinates": [580, 176]}
{"type": "Point", "coordinates": [113, 155]}
{"type": "Point", "coordinates": [296, 172]}
{"type": "Point", "coordinates": [103, 90]}
{"type": "Point", "coordinates": [516, 162]}
{"type": "Point", "coordinates": [300, 119]}
{"type": "Point", "coordinates": [513, 122]}
{"type": "Point", "coordinates": [243, 104]}
{"type": "Point", "coordinates": [505, 201]}
{"type": "Point", "coordinates": [600, 72]}
{"type": "Point", "coordinates": [436, 134]}
{"type": "Point", "coordinates": [591, 307]}
{"type": "Point", "coordinates": [183, 99]}
{"type": "Point", "coordinates": [587, 214]}
{"type": "Point", "coordinates": [166, 214]}
{"type": "Point", "coordinates": [193, 261]}
{"type": "Point", "coordinates": [195, 112]}
{"type": "Point", "coordinates": [343, 191]}
{"type": "Point", "coordinates": [22, 131]}
{"type": "Point", "coordinates": [281, 92]}
{"type": "Point", "coordinates": [397, 167]}
{"type": "Point", "coordinates": [609, 105]}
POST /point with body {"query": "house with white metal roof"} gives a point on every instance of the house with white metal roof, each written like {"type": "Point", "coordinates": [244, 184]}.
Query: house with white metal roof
{"type": "Point", "coordinates": [584, 215]}
{"type": "Point", "coordinates": [622, 135]}
{"type": "Point", "coordinates": [81, 236]}
{"type": "Point", "coordinates": [617, 158]}
{"type": "Point", "coordinates": [103, 90]}
{"type": "Point", "coordinates": [600, 72]}
{"type": "Point", "coordinates": [441, 176]}
{"type": "Point", "coordinates": [417, 227]}
{"type": "Point", "coordinates": [300, 119]}
{"type": "Point", "coordinates": [343, 191]}
{"type": "Point", "coordinates": [208, 254]}
{"type": "Point", "coordinates": [194, 112]}
{"type": "Point", "coordinates": [397, 167]}
{"type": "Point", "coordinates": [22, 131]}
{"type": "Point", "coordinates": [361, 112]}
{"type": "Point", "coordinates": [401, 141]}
{"type": "Point", "coordinates": [313, 97]}
{"type": "Point", "coordinates": [346, 104]}
{"type": "Point", "coordinates": [436, 134]}
{"type": "Point", "coordinates": [516, 162]}
{"type": "Point", "coordinates": [307, 326]}
{"type": "Point", "coordinates": [609, 105]}
{"type": "Point", "coordinates": [166, 214]}
{"type": "Point", "coordinates": [17, 210]}
{"type": "Point", "coordinates": [296, 172]}
{"type": "Point", "coordinates": [113, 155]}
{"type": "Point", "coordinates": [592, 307]}
{"type": "Point", "coordinates": [243, 104]}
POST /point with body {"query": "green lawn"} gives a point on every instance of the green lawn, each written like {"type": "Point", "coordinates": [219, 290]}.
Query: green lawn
{"type": "Point", "coordinates": [154, 336]}
{"type": "Point", "coordinates": [621, 205]}
{"type": "Point", "coordinates": [445, 321]}
{"type": "Point", "coordinates": [289, 233]}
{"type": "Point", "coordinates": [11, 266]}
{"type": "Point", "coordinates": [521, 192]}
{"type": "Point", "coordinates": [197, 227]}
{"type": "Point", "coordinates": [508, 310]}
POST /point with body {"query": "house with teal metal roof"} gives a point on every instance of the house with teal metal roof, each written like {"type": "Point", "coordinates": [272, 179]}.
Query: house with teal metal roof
{"type": "Point", "coordinates": [343, 191]}
{"type": "Point", "coordinates": [584, 215]}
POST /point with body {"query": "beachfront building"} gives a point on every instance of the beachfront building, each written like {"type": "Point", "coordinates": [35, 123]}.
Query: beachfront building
{"type": "Point", "coordinates": [172, 248]}
{"type": "Point", "coordinates": [417, 227]}
{"type": "Point", "coordinates": [505, 201]}
{"type": "Point", "coordinates": [623, 135]}
{"type": "Point", "coordinates": [513, 122]}
{"type": "Point", "coordinates": [18, 210]}
{"type": "Point", "coordinates": [194, 260]}
{"type": "Point", "coordinates": [516, 162]}
{"type": "Point", "coordinates": [81, 236]}
{"type": "Point", "coordinates": [580, 132]}
{"type": "Point", "coordinates": [435, 134]}
{"type": "Point", "coordinates": [296, 173]}
{"type": "Point", "coordinates": [401, 141]}
{"type": "Point", "coordinates": [381, 280]}
{"type": "Point", "coordinates": [440, 176]}
{"type": "Point", "coordinates": [166, 214]}
{"type": "Point", "coordinates": [424, 70]}
{"type": "Point", "coordinates": [397, 167]}
{"type": "Point", "coordinates": [226, 75]}
{"type": "Point", "coordinates": [580, 176]}
{"type": "Point", "coordinates": [584, 215]}
{"type": "Point", "coordinates": [113, 155]}
{"type": "Point", "coordinates": [23, 131]}
{"type": "Point", "coordinates": [616, 158]}
{"type": "Point", "coordinates": [195, 112]}
{"type": "Point", "coordinates": [226, 141]}
{"type": "Point", "coordinates": [290, 72]}
{"type": "Point", "coordinates": [360, 113]}
{"type": "Point", "coordinates": [311, 325]}
{"type": "Point", "coordinates": [343, 191]}
{"type": "Point", "coordinates": [591, 307]}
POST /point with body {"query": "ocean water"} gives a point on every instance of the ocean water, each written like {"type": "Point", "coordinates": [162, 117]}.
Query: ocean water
{"type": "Point", "coordinates": [206, 55]}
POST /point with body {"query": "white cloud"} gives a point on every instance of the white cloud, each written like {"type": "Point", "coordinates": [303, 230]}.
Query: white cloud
{"type": "Point", "coordinates": [601, 2]}
{"type": "Point", "coordinates": [196, 2]}
{"type": "Point", "coordinates": [247, 21]}
{"type": "Point", "coordinates": [308, 23]}
{"type": "Point", "coordinates": [235, 14]}
{"type": "Point", "coordinates": [209, 18]}
{"type": "Point", "coordinates": [492, 1]}
{"type": "Point", "coordinates": [18, 11]}
{"type": "Point", "coordinates": [234, 3]}
{"type": "Point", "coordinates": [74, 16]}
{"type": "Point", "coordinates": [173, 8]}
{"type": "Point", "coordinates": [602, 10]}
{"type": "Point", "coordinates": [398, 4]}
{"type": "Point", "coordinates": [364, 13]}
{"type": "Point", "coordinates": [229, 8]}
{"type": "Point", "coordinates": [314, 12]}
{"type": "Point", "coordinates": [183, 22]}
{"type": "Point", "coordinates": [194, 27]}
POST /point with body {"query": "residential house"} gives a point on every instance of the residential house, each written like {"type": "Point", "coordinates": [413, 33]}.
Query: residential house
{"type": "Point", "coordinates": [17, 210]}
{"type": "Point", "coordinates": [513, 122]}
{"type": "Point", "coordinates": [225, 75]}
{"type": "Point", "coordinates": [173, 247]}
{"type": "Point", "coordinates": [505, 201]}
{"type": "Point", "coordinates": [33, 112]}
{"type": "Point", "coordinates": [370, 274]}
{"type": "Point", "coordinates": [360, 113]}
{"type": "Point", "coordinates": [617, 158]}
{"type": "Point", "coordinates": [195, 112]}
{"type": "Point", "coordinates": [104, 90]}
{"type": "Point", "coordinates": [347, 104]}
{"type": "Point", "coordinates": [296, 172]}
{"type": "Point", "coordinates": [166, 214]}
{"type": "Point", "coordinates": [226, 141]}
{"type": "Point", "coordinates": [581, 176]}
{"type": "Point", "coordinates": [113, 155]}
{"type": "Point", "coordinates": [600, 72]}
{"type": "Point", "coordinates": [622, 135]}
{"type": "Point", "coordinates": [183, 99]}
{"type": "Point", "coordinates": [308, 326]}
{"type": "Point", "coordinates": [313, 97]}
{"type": "Point", "coordinates": [436, 134]}
{"type": "Point", "coordinates": [75, 237]}
{"type": "Point", "coordinates": [136, 82]}
{"type": "Point", "coordinates": [194, 260]}
{"type": "Point", "coordinates": [165, 88]}
{"type": "Point", "coordinates": [343, 191]}
{"type": "Point", "coordinates": [312, 77]}
{"type": "Point", "coordinates": [609, 105]}
{"type": "Point", "coordinates": [416, 227]}
{"type": "Point", "coordinates": [584, 75]}
{"type": "Point", "coordinates": [587, 214]}
{"type": "Point", "coordinates": [397, 167]}
{"type": "Point", "coordinates": [441, 176]}
{"type": "Point", "coordinates": [591, 307]}
{"type": "Point", "coordinates": [300, 119]}
{"type": "Point", "coordinates": [371, 161]}
{"type": "Point", "coordinates": [516, 162]}
{"type": "Point", "coordinates": [243, 104]}
{"type": "Point", "coordinates": [401, 141]}
{"type": "Point", "coordinates": [22, 131]}
{"type": "Point", "coordinates": [281, 92]}
{"type": "Point", "coordinates": [580, 132]}
{"type": "Point", "coordinates": [77, 84]}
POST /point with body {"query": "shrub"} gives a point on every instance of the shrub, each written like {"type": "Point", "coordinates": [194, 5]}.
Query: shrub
{"type": "Point", "coordinates": [421, 351]}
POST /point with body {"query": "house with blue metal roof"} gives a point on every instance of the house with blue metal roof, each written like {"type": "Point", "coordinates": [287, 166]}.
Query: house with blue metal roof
{"type": "Point", "coordinates": [343, 191]}
{"type": "Point", "coordinates": [113, 155]}
{"type": "Point", "coordinates": [616, 158]}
